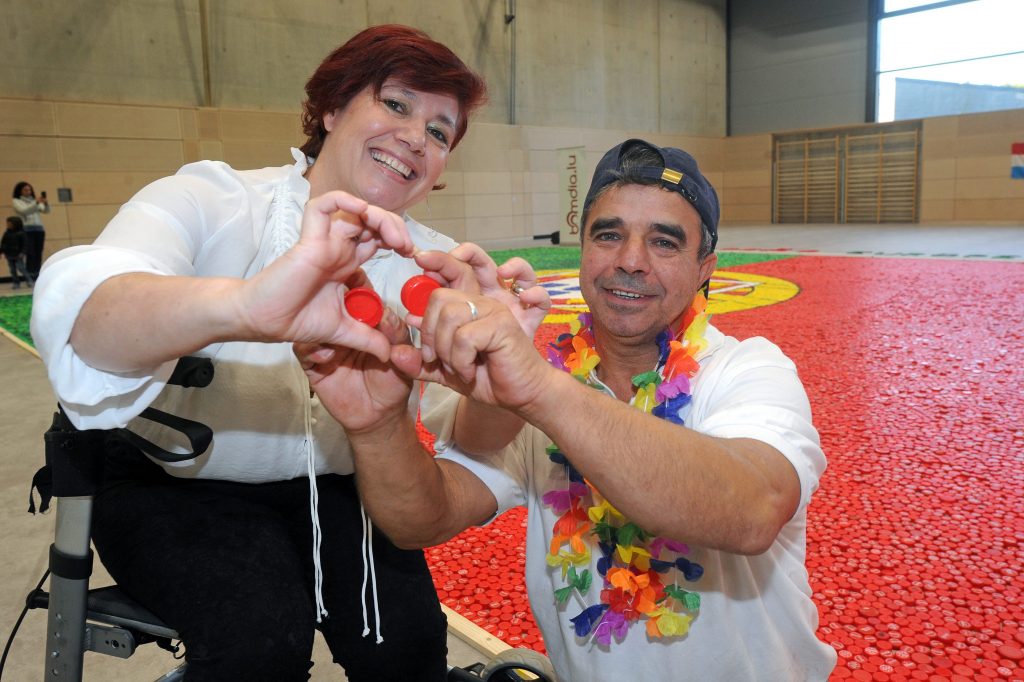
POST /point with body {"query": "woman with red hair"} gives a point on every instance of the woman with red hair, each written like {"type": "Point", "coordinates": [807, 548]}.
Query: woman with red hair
{"type": "Point", "coordinates": [253, 545]}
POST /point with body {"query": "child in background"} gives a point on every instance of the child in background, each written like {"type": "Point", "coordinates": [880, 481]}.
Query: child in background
{"type": "Point", "coordinates": [13, 246]}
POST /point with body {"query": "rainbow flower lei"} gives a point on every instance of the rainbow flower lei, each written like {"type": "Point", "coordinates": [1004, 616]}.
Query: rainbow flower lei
{"type": "Point", "coordinates": [632, 560]}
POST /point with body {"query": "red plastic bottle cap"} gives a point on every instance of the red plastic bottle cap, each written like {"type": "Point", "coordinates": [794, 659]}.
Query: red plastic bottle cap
{"type": "Point", "coordinates": [416, 292]}
{"type": "Point", "coordinates": [1010, 651]}
{"type": "Point", "coordinates": [363, 304]}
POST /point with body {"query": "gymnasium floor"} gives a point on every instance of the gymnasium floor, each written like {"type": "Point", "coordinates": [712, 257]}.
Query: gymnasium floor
{"type": "Point", "coordinates": [912, 349]}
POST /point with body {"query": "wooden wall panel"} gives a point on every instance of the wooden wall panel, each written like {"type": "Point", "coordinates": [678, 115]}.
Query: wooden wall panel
{"type": "Point", "coordinates": [762, 177]}
{"type": "Point", "coordinates": [86, 222]}
{"type": "Point", "coordinates": [211, 149]}
{"type": "Point", "coordinates": [937, 169]}
{"type": "Point", "coordinates": [940, 126]}
{"type": "Point", "coordinates": [747, 152]}
{"type": "Point", "coordinates": [937, 210]}
{"type": "Point", "coordinates": [985, 166]}
{"type": "Point", "coordinates": [938, 189]}
{"type": "Point", "coordinates": [452, 227]}
{"type": "Point", "coordinates": [259, 125]}
{"type": "Point", "coordinates": [984, 145]}
{"type": "Point", "coordinates": [78, 119]}
{"type": "Point", "coordinates": [739, 213]}
{"type": "Point", "coordinates": [188, 119]}
{"type": "Point", "coordinates": [104, 154]}
{"type": "Point", "coordinates": [107, 187]}
{"type": "Point", "coordinates": [993, 122]}
{"type": "Point", "coordinates": [29, 153]}
{"type": "Point", "coordinates": [26, 117]}
{"type": "Point", "coordinates": [745, 190]}
{"type": "Point", "coordinates": [937, 148]}
{"type": "Point", "coordinates": [439, 205]}
{"type": "Point", "coordinates": [490, 182]}
{"type": "Point", "coordinates": [208, 124]}
{"type": "Point", "coordinates": [984, 188]}
{"type": "Point", "coordinates": [746, 196]}
{"type": "Point", "coordinates": [988, 210]}
{"type": "Point", "coordinates": [453, 181]}
{"type": "Point", "coordinates": [41, 180]}
{"type": "Point", "coordinates": [249, 154]}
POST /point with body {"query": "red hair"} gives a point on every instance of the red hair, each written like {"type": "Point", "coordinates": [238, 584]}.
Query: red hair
{"type": "Point", "coordinates": [372, 56]}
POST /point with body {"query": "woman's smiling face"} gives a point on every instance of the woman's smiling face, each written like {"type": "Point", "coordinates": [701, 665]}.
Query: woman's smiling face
{"type": "Point", "coordinates": [388, 149]}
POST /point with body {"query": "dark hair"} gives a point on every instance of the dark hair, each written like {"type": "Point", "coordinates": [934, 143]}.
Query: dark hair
{"type": "Point", "coordinates": [633, 159]}
{"type": "Point", "coordinates": [19, 225]}
{"type": "Point", "coordinates": [17, 189]}
{"type": "Point", "coordinates": [372, 56]}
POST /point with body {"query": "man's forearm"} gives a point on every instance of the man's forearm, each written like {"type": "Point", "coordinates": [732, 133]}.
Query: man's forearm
{"type": "Point", "coordinates": [482, 428]}
{"type": "Point", "coordinates": [405, 492]}
{"type": "Point", "coordinates": [729, 494]}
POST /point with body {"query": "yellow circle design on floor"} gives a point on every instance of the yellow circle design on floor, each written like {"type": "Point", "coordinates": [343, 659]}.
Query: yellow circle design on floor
{"type": "Point", "coordinates": [730, 292]}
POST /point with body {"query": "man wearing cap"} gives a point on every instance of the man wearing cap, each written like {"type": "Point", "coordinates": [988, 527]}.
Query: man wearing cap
{"type": "Point", "coordinates": [666, 468]}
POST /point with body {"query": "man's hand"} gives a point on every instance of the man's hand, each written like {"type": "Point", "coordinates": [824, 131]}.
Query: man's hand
{"type": "Point", "coordinates": [469, 269]}
{"type": "Point", "coordinates": [479, 350]}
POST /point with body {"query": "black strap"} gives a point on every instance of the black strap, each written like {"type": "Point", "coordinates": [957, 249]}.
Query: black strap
{"type": "Point", "coordinates": [199, 436]}
{"type": "Point", "coordinates": [74, 458]}
{"type": "Point", "coordinates": [43, 483]}
{"type": "Point", "coordinates": [68, 566]}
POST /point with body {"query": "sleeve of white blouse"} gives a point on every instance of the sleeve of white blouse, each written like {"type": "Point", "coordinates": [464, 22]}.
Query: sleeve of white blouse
{"type": "Point", "coordinates": [502, 472]}
{"type": "Point", "coordinates": [161, 230]}
{"type": "Point", "coordinates": [757, 394]}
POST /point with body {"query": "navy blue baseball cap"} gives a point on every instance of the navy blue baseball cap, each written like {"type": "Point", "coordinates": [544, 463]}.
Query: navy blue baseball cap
{"type": "Point", "coordinates": [678, 174]}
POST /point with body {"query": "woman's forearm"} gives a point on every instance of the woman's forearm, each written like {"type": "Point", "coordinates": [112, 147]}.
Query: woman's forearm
{"type": "Point", "coordinates": [139, 321]}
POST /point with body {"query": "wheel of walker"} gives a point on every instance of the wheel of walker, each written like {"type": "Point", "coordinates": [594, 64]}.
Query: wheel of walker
{"type": "Point", "coordinates": [515, 665]}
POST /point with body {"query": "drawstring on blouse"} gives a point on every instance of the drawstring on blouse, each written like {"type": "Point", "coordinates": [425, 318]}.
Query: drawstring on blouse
{"type": "Point", "coordinates": [314, 503]}
{"type": "Point", "coordinates": [285, 220]}
{"type": "Point", "coordinates": [369, 567]}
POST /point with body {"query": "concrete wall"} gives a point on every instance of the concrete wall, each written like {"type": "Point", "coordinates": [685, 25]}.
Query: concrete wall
{"type": "Point", "coordinates": [795, 65]}
{"type": "Point", "coordinates": [652, 64]}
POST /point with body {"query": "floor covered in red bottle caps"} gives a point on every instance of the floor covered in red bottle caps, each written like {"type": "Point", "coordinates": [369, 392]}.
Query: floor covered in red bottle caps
{"type": "Point", "coordinates": [914, 368]}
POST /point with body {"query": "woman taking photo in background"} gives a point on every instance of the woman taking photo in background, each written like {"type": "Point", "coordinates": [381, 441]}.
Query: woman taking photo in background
{"type": "Point", "coordinates": [29, 208]}
{"type": "Point", "coordinates": [249, 547]}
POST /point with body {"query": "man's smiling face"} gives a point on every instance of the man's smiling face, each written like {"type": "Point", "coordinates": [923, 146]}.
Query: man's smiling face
{"type": "Point", "coordinates": [639, 269]}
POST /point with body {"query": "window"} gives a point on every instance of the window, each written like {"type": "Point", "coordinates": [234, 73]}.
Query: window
{"type": "Point", "coordinates": [946, 58]}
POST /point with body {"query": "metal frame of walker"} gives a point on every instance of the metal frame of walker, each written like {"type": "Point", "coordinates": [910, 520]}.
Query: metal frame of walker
{"type": "Point", "coordinates": [102, 620]}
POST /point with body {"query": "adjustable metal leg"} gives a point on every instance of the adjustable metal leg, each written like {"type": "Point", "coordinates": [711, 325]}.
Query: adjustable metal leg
{"type": "Point", "coordinates": [70, 564]}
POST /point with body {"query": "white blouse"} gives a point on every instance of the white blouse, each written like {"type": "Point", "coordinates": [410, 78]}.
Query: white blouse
{"type": "Point", "coordinates": [208, 220]}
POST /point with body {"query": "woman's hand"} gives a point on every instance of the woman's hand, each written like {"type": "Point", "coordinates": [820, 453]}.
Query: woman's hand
{"type": "Point", "coordinates": [300, 297]}
{"type": "Point", "coordinates": [357, 389]}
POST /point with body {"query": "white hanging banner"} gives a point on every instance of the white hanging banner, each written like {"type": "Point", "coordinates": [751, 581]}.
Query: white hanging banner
{"type": "Point", "coordinates": [572, 182]}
